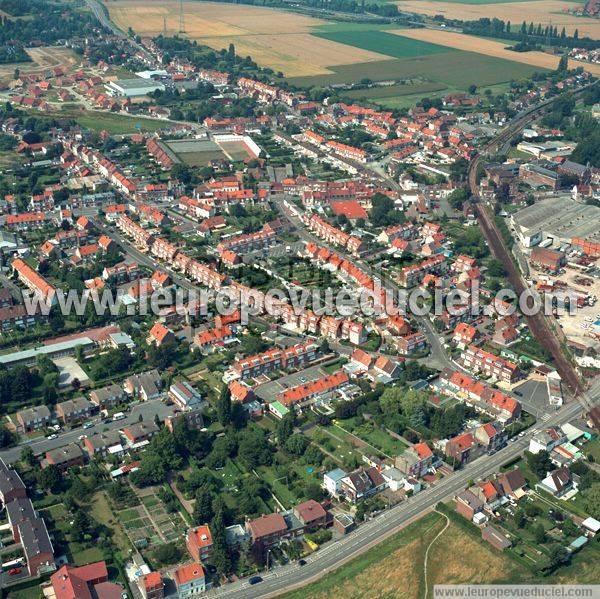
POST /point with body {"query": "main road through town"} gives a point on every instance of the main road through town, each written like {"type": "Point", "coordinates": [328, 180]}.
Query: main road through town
{"type": "Point", "coordinates": [369, 534]}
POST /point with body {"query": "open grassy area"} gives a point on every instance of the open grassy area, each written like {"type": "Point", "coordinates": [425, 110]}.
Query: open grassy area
{"type": "Point", "coordinates": [454, 68]}
{"type": "Point", "coordinates": [382, 42]}
{"type": "Point", "coordinates": [394, 568]}
{"type": "Point", "coordinates": [113, 123]}
{"type": "Point", "coordinates": [394, 91]}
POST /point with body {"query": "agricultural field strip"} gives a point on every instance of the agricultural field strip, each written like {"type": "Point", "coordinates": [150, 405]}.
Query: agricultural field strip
{"type": "Point", "coordinates": [469, 43]}
{"type": "Point", "coordinates": [545, 12]}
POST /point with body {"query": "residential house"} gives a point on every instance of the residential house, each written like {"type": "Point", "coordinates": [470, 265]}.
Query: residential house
{"type": "Point", "coordinates": [547, 440]}
{"type": "Point", "coordinates": [74, 410]}
{"type": "Point", "coordinates": [267, 530]}
{"type": "Point", "coordinates": [84, 582]}
{"type": "Point", "coordinates": [32, 419]}
{"type": "Point", "coordinates": [11, 485]}
{"type": "Point", "coordinates": [311, 514]}
{"type": "Point", "coordinates": [190, 580]}
{"type": "Point", "coordinates": [557, 483]}
{"type": "Point", "coordinates": [109, 396]}
{"type": "Point", "coordinates": [416, 460]}
{"type": "Point", "coordinates": [64, 457]}
{"type": "Point", "coordinates": [512, 483]}
{"type": "Point", "coordinates": [468, 504]}
{"type": "Point", "coordinates": [138, 432]}
{"type": "Point", "coordinates": [160, 334]}
{"type": "Point", "coordinates": [152, 586]}
{"type": "Point", "coordinates": [332, 481]}
{"type": "Point", "coordinates": [459, 448]}
{"type": "Point", "coordinates": [199, 543]}
{"type": "Point", "coordinates": [103, 443]}
{"type": "Point", "coordinates": [184, 396]}
{"type": "Point", "coordinates": [490, 436]}
{"type": "Point", "coordinates": [146, 385]}
{"type": "Point", "coordinates": [362, 483]}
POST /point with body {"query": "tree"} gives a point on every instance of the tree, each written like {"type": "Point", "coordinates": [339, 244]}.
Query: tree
{"type": "Point", "coordinates": [203, 511]}
{"type": "Point", "coordinates": [591, 500]}
{"type": "Point", "coordinates": [285, 428]}
{"type": "Point", "coordinates": [231, 52]}
{"type": "Point", "coordinates": [50, 478]}
{"type": "Point", "coordinates": [563, 63]}
{"type": "Point", "coordinates": [28, 457]}
{"type": "Point", "coordinates": [224, 406]}
{"type": "Point", "coordinates": [253, 448]}
{"type": "Point", "coordinates": [82, 526]}
{"type": "Point", "coordinates": [458, 197]}
{"type": "Point", "coordinates": [459, 168]}
{"type": "Point", "coordinates": [559, 556]}
{"type": "Point", "coordinates": [297, 445]}
{"type": "Point", "coordinates": [539, 463]}
{"type": "Point", "coordinates": [220, 553]}
{"type": "Point", "coordinates": [168, 553]}
{"type": "Point", "coordinates": [520, 518]}
{"type": "Point", "coordinates": [383, 211]}
{"type": "Point", "coordinates": [539, 534]}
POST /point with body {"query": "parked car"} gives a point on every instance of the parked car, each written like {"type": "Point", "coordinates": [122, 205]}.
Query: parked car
{"type": "Point", "coordinates": [14, 571]}
{"type": "Point", "coordinates": [52, 436]}
{"type": "Point", "coordinates": [254, 579]}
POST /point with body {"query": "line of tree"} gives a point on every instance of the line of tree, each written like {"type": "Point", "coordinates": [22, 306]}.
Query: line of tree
{"type": "Point", "coordinates": [531, 33]}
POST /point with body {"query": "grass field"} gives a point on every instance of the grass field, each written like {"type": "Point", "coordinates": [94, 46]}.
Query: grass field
{"type": "Point", "coordinates": [453, 68]}
{"type": "Point", "coordinates": [383, 42]}
{"type": "Point", "coordinates": [394, 568]}
{"type": "Point", "coordinates": [113, 123]}
{"type": "Point", "coordinates": [545, 12]}
{"type": "Point", "coordinates": [488, 47]}
{"type": "Point", "coordinates": [393, 91]}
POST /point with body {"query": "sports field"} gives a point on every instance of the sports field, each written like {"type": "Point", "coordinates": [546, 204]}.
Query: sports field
{"type": "Point", "coordinates": [461, 41]}
{"type": "Point", "coordinates": [277, 39]}
{"type": "Point", "coordinates": [545, 12]}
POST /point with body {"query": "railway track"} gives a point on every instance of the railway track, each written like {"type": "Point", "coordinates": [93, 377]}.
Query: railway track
{"type": "Point", "coordinates": [538, 323]}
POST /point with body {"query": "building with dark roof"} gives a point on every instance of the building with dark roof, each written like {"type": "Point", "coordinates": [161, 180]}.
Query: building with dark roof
{"type": "Point", "coordinates": [11, 485]}
{"type": "Point", "coordinates": [64, 457]}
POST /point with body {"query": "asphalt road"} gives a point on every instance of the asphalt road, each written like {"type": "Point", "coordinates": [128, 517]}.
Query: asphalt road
{"type": "Point", "coordinates": [148, 411]}
{"type": "Point", "coordinates": [334, 554]}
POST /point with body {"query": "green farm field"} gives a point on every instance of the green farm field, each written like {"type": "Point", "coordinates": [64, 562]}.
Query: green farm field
{"type": "Point", "coordinates": [394, 91]}
{"type": "Point", "coordinates": [454, 68]}
{"type": "Point", "coordinates": [382, 42]}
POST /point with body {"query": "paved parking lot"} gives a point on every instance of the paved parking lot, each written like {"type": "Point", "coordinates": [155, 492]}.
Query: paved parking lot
{"type": "Point", "coordinates": [534, 398]}
{"type": "Point", "coordinates": [268, 391]}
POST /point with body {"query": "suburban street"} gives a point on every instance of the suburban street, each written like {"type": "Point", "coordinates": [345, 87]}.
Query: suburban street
{"type": "Point", "coordinates": [147, 410]}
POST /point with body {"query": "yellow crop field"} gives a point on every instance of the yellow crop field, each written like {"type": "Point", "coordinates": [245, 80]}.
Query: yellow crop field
{"type": "Point", "coordinates": [273, 38]}
{"type": "Point", "coordinates": [469, 43]}
{"type": "Point", "coordinates": [545, 12]}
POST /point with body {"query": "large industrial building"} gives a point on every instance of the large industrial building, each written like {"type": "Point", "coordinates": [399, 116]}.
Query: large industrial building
{"type": "Point", "coordinates": [133, 88]}
{"type": "Point", "coordinates": [561, 220]}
